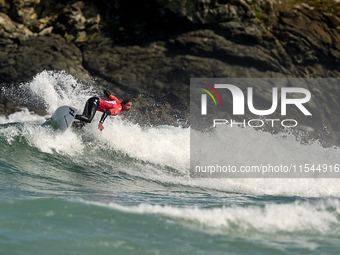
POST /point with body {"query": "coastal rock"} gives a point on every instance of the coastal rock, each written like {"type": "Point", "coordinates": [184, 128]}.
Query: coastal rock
{"type": "Point", "coordinates": [208, 11]}
{"type": "Point", "coordinates": [149, 50]}
{"type": "Point", "coordinates": [4, 6]}
{"type": "Point", "coordinates": [36, 54]}
{"type": "Point", "coordinates": [72, 24]}
{"type": "Point", "coordinates": [23, 11]}
{"type": "Point", "coordinates": [311, 40]}
{"type": "Point", "coordinates": [12, 30]}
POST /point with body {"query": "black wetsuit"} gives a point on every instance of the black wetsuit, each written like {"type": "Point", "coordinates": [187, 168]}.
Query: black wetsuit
{"type": "Point", "coordinates": [89, 110]}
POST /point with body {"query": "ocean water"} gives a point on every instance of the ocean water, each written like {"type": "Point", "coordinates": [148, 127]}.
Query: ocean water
{"type": "Point", "coordinates": [128, 190]}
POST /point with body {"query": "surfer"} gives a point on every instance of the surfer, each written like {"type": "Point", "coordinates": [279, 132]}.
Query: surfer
{"type": "Point", "coordinates": [111, 107]}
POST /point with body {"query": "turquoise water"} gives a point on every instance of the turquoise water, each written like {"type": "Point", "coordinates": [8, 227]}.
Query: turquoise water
{"type": "Point", "coordinates": [127, 190]}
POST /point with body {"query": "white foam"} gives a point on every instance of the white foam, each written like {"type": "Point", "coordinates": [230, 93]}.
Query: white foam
{"type": "Point", "coordinates": [49, 141]}
{"type": "Point", "coordinates": [310, 217]}
{"type": "Point", "coordinates": [22, 116]}
{"type": "Point", "coordinates": [45, 139]}
{"type": "Point", "coordinates": [166, 145]}
{"type": "Point", "coordinates": [59, 88]}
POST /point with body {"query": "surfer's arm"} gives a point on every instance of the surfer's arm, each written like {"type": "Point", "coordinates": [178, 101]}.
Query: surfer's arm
{"type": "Point", "coordinates": [105, 114]}
{"type": "Point", "coordinates": [102, 119]}
{"type": "Point", "coordinates": [107, 93]}
{"type": "Point", "coordinates": [113, 98]}
{"type": "Point", "coordinates": [114, 111]}
{"type": "Point", "coordinates": [110, 96]}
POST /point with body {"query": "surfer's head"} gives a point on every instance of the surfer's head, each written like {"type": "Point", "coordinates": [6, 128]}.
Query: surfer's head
{"type": "Point", "coordinates": [126, 104]}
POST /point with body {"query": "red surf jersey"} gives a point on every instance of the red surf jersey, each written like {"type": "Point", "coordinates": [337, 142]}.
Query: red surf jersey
{"type": "Point", "coordinates": [113, 105]}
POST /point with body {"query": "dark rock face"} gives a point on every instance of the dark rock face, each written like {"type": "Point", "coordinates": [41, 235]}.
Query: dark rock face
{"type": "Point", "coordinates": [150, 51]}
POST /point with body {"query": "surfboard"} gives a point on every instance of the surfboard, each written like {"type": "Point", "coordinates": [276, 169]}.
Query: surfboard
{"type": "Point", "coordinates": [62, 118]}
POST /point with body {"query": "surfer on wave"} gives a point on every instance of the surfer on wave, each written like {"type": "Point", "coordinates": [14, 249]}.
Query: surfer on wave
{"type": "Point", "coordinates": [111, 107]}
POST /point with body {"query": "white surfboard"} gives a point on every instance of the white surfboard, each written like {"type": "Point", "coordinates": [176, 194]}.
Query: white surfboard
{"type": "Point", "coordinates": [63, 117]}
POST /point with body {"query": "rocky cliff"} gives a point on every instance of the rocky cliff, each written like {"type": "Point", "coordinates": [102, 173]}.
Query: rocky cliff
{"type": "Point", "coordinates": [148, 50]}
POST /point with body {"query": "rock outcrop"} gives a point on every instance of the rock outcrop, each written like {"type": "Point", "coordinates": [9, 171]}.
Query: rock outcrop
{"type": "Point", "coordinates": [149, 49]}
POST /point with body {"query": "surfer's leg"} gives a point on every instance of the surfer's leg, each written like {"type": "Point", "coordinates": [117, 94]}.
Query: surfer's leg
{"type": "Point", "coordinates": [92, 109]}
{"type": "Point", "coordinates": [86, 108]}
{"type": "Point", "coordinates": [89, 110]}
